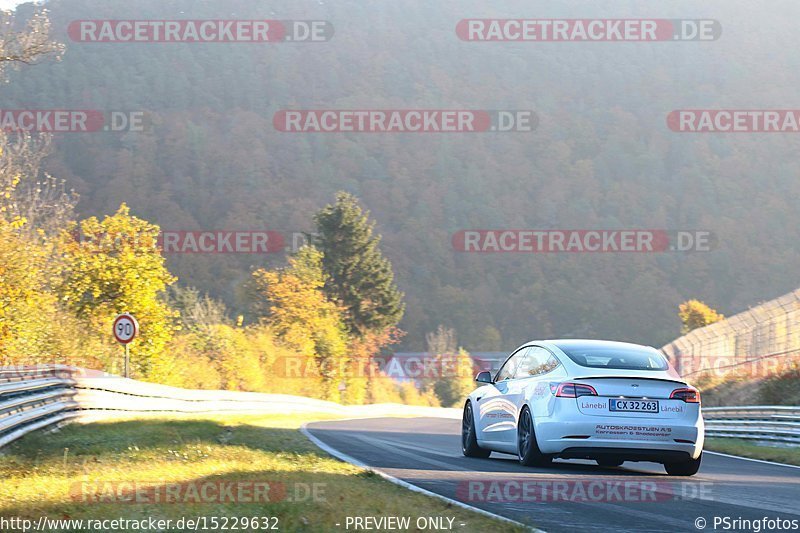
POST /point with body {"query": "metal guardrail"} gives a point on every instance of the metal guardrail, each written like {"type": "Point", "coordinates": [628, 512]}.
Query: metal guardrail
{"type": "Point", "coordinates": [41, 397]}
{"type": "Point", "coordinates": [758, 422]}
{"type": "Point", "coordinates": [33, 398]}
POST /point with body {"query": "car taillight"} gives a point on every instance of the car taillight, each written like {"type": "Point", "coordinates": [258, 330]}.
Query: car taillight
{"type": "Point", "coordinates": [572, 390]}
{"type": "Point", "coordinates": [687, 394]}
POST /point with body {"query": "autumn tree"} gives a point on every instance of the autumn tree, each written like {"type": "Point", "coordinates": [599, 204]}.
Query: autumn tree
{"type": "Point", "coordinates": [358, 276]}
{"type": "Point", "coordinates": [26, 45]}
{"type": "Point", "coordinates": [305, 319]}
{"type": "Point", "coordinates": [112, 266]}
{"type": "Point", "coordinates": [696, 314]}
{"type": "Point", "coordinates": [455, 379]}
{"type": "Point", "coordinates": [30, 204]}
{"type": "Point", "coordinates": [196, 311]}
{"type": "Point", "coordinates": [441, 341]}
{"type": "Point", "coordinates": [31, 213]}
{"type": "Point", "coordinates": [28, 207]}
{"type": "Point", "coordinates": [35, 328]}
{"type": "Point", "coordinates": [452, 377]}
{"type": "Point", "coordinates": [25, 305]}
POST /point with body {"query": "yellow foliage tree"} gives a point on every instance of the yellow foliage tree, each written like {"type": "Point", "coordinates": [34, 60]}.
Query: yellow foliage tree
{"type": "Point", "coordinates": [696, 314]}
{"type": "Point", "coordinates": [24, 304]}
{"type": "Point", "coordinates": [34, 327]}
{"type": "Point", "coordinates": [115, 266]}
{"type": "Point", "coordinates": [305, 320]}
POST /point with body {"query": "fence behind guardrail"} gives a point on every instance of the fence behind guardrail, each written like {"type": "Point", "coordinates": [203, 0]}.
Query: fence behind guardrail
{"type": "Point", "coordinates": [761, 342]}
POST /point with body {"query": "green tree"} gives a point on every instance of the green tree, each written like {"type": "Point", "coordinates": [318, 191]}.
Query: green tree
{"type": "Point", "coordinates": [114, 267]}
{"type": "Point", "coordinates": [358, 276]}
{"type": "Point", "coordinates": [696, 314]}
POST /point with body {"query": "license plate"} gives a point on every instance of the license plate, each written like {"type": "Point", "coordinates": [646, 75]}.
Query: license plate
{"type": "Point", "coordinates": [633, 406]}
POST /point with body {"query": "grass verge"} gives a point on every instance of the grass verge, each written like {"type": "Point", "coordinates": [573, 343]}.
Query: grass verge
{"type": "Point", "coordinates": [84, 471]}
{"type": "Point", "coordinates": [743, 448]}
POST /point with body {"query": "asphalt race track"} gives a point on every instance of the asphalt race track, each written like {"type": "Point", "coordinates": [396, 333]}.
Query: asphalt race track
{"type": "Point", "coordinates": [634, 497]}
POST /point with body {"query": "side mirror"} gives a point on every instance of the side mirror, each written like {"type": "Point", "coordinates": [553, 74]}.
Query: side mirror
{"type": "Point", "coordinates": [484, 377]}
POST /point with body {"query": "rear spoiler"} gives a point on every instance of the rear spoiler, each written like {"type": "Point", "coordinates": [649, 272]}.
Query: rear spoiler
{"type": "Point", "coordinates": [631, 377]}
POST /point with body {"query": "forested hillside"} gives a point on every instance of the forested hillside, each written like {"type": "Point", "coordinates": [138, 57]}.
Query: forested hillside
{"type": "Point", "coordinates": [602, 156]}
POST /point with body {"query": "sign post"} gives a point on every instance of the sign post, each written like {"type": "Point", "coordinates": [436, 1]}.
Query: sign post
{"type": "Point", "coordinates": [125, 329]}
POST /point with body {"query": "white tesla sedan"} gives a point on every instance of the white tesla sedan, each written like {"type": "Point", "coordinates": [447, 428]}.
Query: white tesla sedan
{"type": "Point", "coordinates": [586, 399]}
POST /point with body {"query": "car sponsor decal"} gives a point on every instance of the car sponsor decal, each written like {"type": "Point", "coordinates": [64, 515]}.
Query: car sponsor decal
{"type": "Point", "coordinates": [616, 431]}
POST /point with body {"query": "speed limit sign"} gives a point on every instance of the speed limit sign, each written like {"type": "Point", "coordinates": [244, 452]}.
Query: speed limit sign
{"type": "Point", "coordinates": [125, 328]}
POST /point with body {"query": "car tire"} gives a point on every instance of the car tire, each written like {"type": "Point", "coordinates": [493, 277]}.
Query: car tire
{"type": "Point", "coordinates": [528, 450]}
{"type": "Point", "coordinates": [684, 468]}
{"type": "Point", "coordinates": [469, 439]}
{"type": "Point", "coordinates": [609, 461]}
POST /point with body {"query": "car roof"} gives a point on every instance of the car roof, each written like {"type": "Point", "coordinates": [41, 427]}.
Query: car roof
{"type": "Point", "coordinates": [559, 347]}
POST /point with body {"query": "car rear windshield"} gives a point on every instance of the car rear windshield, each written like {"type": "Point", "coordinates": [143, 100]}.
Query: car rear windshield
{"type": "Point", "coordinates": [621, 357]}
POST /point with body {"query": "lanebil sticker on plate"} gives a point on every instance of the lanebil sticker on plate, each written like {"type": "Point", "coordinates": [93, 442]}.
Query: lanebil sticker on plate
{"type": "Point", "coordinates": [634, 406]}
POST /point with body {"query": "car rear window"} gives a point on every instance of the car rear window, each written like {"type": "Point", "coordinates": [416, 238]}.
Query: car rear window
{"type": "Point", "coordinates": [620, 357]}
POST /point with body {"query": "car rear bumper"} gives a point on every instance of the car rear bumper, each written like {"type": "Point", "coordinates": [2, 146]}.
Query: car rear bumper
{"type": "Point", "coordinates": [628, 454]}
{"type": "Point", "coordinates": [633, 439]}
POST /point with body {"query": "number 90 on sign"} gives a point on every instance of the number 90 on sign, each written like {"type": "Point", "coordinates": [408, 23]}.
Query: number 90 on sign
{"type": "Point", "coordinates": [125, 328]}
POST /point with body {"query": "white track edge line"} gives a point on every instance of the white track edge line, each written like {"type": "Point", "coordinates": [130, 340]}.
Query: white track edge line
{"type": "Point", "coordinates": [750, 459]}
{"type": "Point", "coordinates": [352, 460]}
